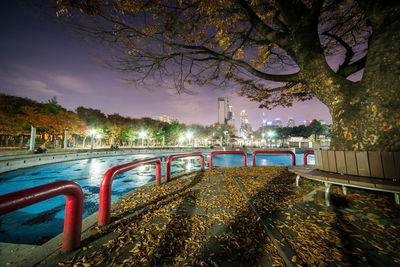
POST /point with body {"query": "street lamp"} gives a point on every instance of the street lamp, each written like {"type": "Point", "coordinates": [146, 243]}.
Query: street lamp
{"type": "Point", "coordinates": [189, 136]}
{"type": "Point", "coordinates": [270, 135]}
{"type": "Point", "coordinates": [262, 138]}
{"type": "Point", "coordinates": [142, 135]}
{"type": "Point", "coordinates": [180, 140]}
{"type": "Point", "coordinates": [93, 133]}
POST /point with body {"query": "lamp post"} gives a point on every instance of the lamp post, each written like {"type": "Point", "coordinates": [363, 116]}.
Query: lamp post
{"type": "Point", "coordinates": [189, 136]}
{"type": "Point", "coordinates": [262, 138]}
{"type": "Point", "coordinates": [142, 135]}
{"type": "Point", "coordinates": [93, 133]}
{"type": "Point", "coordinates": [180, 140]}
{"type": "Point", "coordinates": [270, 135]}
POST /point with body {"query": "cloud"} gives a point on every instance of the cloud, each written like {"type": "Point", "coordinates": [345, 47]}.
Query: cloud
{"type": "Point", "coordinates": [23, 84]}
{"type": "Point", "coordinates": [71, 83]}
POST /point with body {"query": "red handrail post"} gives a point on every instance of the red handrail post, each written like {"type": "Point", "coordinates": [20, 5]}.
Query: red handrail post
{"type": "Point", "coordinates": [106, 185]}
{"type": "Point", "coordinates": [184, 155]}
{"type": "Point", "coordinates": [274, 152]}
{"type": "Point", "coordinates": [73, 207]}
{"type": "Point", "coordinates": [306, 154]}
{"type": "Point", "coordinates": [227, 152]}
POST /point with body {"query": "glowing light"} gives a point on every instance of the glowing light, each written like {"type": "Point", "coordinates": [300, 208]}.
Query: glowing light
{"type": "Point", "coordinates": [271, 133]}
{"type": "Point", "coordinates": [189, 135]}
{"type": "Point", "coordinates": [181, 139]}
{"type": "Point", "coordinates": [142, 134]}
{"type": "Point", "coordinates": [269, 123]}
{"type": "Point", "coordinates": [189, 166]}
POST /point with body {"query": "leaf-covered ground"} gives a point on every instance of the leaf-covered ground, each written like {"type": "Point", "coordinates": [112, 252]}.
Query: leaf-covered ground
{"type": "Point", "coordinates": [226, 217]}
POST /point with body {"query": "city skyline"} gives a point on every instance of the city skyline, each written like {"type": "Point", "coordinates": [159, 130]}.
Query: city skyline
{"type": "Point", "coordinates": [42, 59]}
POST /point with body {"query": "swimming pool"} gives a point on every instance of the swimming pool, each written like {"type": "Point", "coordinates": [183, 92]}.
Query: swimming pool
{"type": "Point", "coordinates": [40, 222]}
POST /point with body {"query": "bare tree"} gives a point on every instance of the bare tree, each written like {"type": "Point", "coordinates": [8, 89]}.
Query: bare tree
{"type": "Point", "coordinates": [254, 43]}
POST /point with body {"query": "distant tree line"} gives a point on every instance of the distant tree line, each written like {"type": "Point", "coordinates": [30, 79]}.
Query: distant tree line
{"type": "Point", "coordinates": [18, 114]}
{"type": "Point", "coordinates": [315, 128]}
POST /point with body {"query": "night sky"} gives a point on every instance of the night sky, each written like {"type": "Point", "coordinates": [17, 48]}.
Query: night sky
{"type": "Point", "coordinates": [40, 58]}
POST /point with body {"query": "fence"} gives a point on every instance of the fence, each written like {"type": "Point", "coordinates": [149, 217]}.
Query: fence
{"type": "Point", "coordinates": [227, 152]}
{"type": "Point", "coordinates": [274, 152]}
{"type": "Point", "coordinates": [306, 155]}
{"type": "Point", "coordinates": [73, 207]}
{"type": "Point", "coordinates": [106, 185]}
{"type": "Point", "coordinates": [74, 194]}
{"type": "Point", "coordinates": [185, 155]}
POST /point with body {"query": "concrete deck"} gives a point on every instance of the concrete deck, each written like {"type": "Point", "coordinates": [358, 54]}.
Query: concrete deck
{"type": "Point", "coordinates": [235, 216]}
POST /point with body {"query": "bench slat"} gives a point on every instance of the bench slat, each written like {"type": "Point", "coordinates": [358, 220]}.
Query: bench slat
{"type": "Point", "coordinates": [332, 161]}
{"type": "Point", "coordinates": [351, 162]}
{"type": "Point", "coordinates": [362, 163]}
{"type": "Point", "coordinates": [340, 162]}
{"type": "Point", "coordinates": [375, 164]}
{"type": "Point", "coordinates": [389, 169]}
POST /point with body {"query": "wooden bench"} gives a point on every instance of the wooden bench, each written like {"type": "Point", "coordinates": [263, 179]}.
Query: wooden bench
{"type": "Point", "coordinates": [346, 180]}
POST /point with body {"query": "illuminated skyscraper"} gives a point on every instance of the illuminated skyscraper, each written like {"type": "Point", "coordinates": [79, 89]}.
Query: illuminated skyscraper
{"type": "Point", "coordinates": [225, 111]}
{"type": "Point", "coordinates": [222, 109]}
{"type": "Point", "coordinates": [291, 122]}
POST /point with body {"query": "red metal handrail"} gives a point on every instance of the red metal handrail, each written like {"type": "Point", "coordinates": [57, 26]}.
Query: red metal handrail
{"type": "Point", "coordinates": [306, 154]}
{"type": "Point", "coordinates": [177, 156]}
{"type": "Point", "coordinates": [227, 152]}
{"type": "Point", "coordinates": [73, 207]}
{"type": "Point", "coordinates": [106, 185]}
{"type": "Point", "coordinates": [274, 152]}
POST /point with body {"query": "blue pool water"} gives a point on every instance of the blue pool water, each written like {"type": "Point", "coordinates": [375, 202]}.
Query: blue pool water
{"type": "Point", "coordinates": [40, 222]}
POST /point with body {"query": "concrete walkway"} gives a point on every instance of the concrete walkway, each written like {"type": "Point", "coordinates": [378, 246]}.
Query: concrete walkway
{"type": "Point", "coordinates": [235, 216]}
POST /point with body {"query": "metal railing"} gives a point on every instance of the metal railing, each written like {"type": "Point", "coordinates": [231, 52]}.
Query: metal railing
{"type": "Point", "coordinates": [274, 152]}
{"type": "Point", "coordinates": [73, 207]}
{"type": "Point", "coordinates": [177, 156]}
{"type": "Point", "coordinates": [227, 152]}
{"type": "Point", "coordinates": [106, 185]}
{"type": "Point", "coordinates": [306, 155]}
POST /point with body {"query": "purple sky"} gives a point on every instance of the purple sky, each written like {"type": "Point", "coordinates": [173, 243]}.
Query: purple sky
{"type": "Point", "coordinates": [40, 58]}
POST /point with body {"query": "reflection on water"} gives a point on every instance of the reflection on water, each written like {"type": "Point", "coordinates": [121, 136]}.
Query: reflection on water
{"type": "Point", "coordinates": [38, 223]}
{"type": "Point", "coordinates": [96, 167]}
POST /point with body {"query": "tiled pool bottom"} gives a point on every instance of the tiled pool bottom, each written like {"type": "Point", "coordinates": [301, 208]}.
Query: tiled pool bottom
{"type": "Point", "coordinates": [38, 223]}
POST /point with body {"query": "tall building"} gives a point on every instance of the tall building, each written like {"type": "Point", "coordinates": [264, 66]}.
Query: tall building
{"type": "Point", "coordinates": [291, 122]}
{"type": "Point", "coordinates": [231, 116]}
{"type": "Point", "coordinates": [225, 111]}
{"type": "Point", "coordinates": [222, 109]}
{"type": "Point", "coordinates": [278, 122]}
{"type": "Point", "coordinates": [243, 119]}
{"type": "Point", "coordinates": [245, 127]}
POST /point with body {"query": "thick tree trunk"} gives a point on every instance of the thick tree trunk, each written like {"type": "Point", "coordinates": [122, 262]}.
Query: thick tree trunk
{"type": "Point", "coordinates": [366, 114]}
{"type": "Point", "coordinates": [370, 117]}
{"type": "Point", "coordinates": [367, 126]}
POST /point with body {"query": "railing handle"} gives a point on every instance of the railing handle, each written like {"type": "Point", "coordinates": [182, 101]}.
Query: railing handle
{"type": "Point", "coordinates": [306, 155]}
{"type": "Point", "coordinates": [227, 152]}
{"type": "Point", "coordinates": [73, 207]}
{"type": "Point", "coordinates": [106, 185]}
{"type": "Point", "coordinates": [274, 152]}
{"type": "Point", "coordinates": [185, 155]}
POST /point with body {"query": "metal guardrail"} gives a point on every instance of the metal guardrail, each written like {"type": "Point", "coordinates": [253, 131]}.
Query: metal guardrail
{"type": "Point", "coordinates": [106, 185]}
{"type": "Point", "coordinates": [274, 152]}
{"type": "Point", "coordinates": [73, 207]}
{"type": "Point", "coordinates": [227, 152]}
{"type": "Point", "coordinates": [74, 194]}
{"type": "Point", "coordinates": [177, 156]}
{"type": "Point", "coordinates": [306, 155]}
